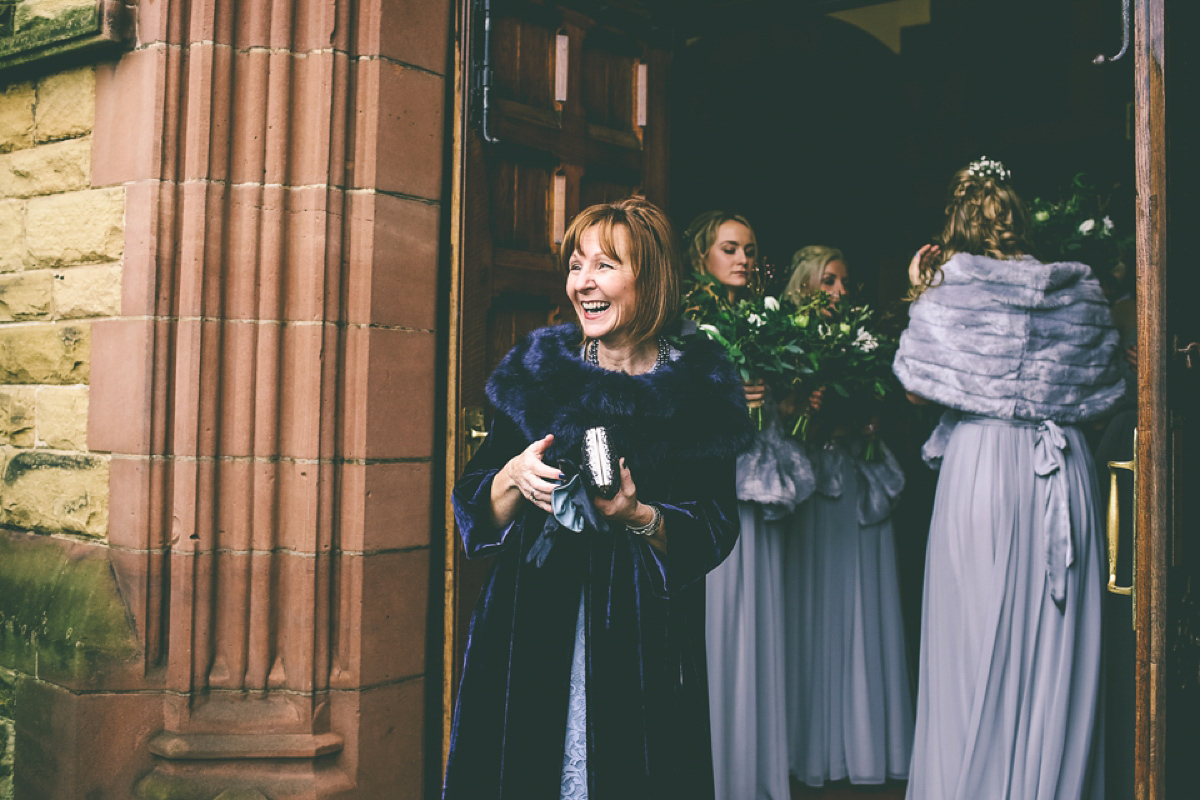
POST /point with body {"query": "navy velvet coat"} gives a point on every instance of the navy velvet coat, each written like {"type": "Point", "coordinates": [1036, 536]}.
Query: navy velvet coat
{"type": "Point", "coordinates": [679, 429]}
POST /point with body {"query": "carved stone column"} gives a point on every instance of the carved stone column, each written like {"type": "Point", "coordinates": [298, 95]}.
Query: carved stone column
{"type": "Point", "coordinates": [268, 394]}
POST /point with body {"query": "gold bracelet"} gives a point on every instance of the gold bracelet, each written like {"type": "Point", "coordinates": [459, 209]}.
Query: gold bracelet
{"type": "Point", "coordinates": [651, 527]}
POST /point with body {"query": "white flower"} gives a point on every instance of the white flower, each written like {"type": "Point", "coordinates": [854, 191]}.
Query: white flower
{"type": "Point", "coordinates": [711, 330]}
{"type": "Point", "coordinates": [1108, 224]}
{"type": "Point", "coordinates": [1041, 216]}
{"type": "Point", "coordinates": [757, 321]}
{"type": "Point", "coordinates": [1086, 226]}
{"type": "Point", "coordinates": [864, 341]}
{"type": "Point", "coordinates": [771, 304]}
{"type": "Point", "coordinates": [823, 329]}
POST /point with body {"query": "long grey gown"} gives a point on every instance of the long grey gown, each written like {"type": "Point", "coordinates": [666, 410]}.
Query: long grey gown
{"type": "Point", "coordinates": [1010, 701]}
{"type": "Point", "coordinates": [744, 624]}
{"type": "Point", "coordinates": [849, 697]}
{"type": "Point", "coordinates": [1011, 679]}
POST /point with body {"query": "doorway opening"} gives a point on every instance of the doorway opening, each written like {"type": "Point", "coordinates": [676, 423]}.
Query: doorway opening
{"type": "Point", "coordinates": [835, 122]}
{"type": "Point", "coordinates": [841, 123]}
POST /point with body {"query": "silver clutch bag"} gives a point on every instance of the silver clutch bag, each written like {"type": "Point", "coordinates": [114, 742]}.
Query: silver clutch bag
{"type": "Point", "coordinates": [600, 466]}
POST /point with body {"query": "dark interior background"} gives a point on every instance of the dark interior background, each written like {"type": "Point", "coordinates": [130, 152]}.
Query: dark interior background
{"type": "Point", "coordinates": [820, 134]}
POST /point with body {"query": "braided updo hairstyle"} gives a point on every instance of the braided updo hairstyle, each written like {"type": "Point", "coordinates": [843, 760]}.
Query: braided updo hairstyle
{"type": "Point", "coordinates": [984, 216]}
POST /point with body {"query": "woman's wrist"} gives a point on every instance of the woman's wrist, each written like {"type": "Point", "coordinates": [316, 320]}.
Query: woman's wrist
{"type": "Point", "coordinates": [503, 480]}
{"type": "Point", "coordinates": [645, 518]}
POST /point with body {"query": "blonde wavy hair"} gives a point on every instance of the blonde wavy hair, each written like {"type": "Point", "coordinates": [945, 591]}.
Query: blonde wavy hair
{"type": "Point", "coordinates": [984, 216]}
{"type": "Point", "coordinates": [808, 265]}
{"type": "Point", "coordinates": [701, 235]}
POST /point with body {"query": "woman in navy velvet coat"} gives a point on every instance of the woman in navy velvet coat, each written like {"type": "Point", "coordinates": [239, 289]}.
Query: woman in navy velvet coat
{"type": "Point", "coordinates": [584, 672]}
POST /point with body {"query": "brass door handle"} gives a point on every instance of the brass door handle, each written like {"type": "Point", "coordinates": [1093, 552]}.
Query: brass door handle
{"type": "Point", "coordinates": [1114, 526]}
{"type": "Point", "coordinates": [474, 430]}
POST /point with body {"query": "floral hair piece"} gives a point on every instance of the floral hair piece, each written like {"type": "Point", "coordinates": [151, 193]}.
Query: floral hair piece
{"type": "Point", "coordinates": [988, 168]}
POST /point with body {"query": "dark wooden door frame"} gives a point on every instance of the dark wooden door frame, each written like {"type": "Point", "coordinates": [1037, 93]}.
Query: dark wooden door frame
{"type": "Point", "coordinates": [1153, 478]}
{"type": "Point", "coordinates": [462, 34]}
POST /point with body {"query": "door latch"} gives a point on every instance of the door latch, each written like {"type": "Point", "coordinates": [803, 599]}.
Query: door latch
{"type": "Point", "coordinates": [1192, 349]}
{"type": "Point", "coordinates": [474, 430]}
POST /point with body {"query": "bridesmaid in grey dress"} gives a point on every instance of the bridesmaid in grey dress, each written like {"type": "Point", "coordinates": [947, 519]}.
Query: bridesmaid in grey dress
{"type": "Point", "coordinates": [849, 698]}
{"type": "Point", "coordinates": [1010, 688]}
{"type": "Point", "coordinates": [744, 595]}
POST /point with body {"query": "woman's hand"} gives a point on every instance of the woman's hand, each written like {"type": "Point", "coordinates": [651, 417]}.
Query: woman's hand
{"type": "Point", "coordinates": [791, 405]}
{"type": "Point", "coordinates": [916, 399]}
{"type": "Point", "coordinates": [525, 476]}
{"type": "Point", "coordinates": [871, 427]}
{"type": "Point", "coordinates": [627, 510]}
{"type": "Point", "coordinates": [756, 392]}
{"type": "Point", "coordinates": [921, 263]}
{"type": "Point", "coordinates": [814, 401]}
{"type": "Point", "coordinates": [624, 506]}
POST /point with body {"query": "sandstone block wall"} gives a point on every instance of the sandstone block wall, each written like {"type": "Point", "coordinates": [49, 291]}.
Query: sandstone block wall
{"type": "Point", "coordinates": [61, 242]}
{"type": "Point", "coordinates": [240, 469]}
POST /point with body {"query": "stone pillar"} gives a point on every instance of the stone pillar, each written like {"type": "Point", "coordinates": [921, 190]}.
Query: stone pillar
{"type": "Point", "coordinates": [268, 394]}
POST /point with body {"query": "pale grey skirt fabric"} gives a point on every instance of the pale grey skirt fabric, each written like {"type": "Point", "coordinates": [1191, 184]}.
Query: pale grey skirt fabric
{"type": "Point", "coordinates": [849, 695]}
{"type": "Point", "coordinates": [1010, 680]}
{"type": "Point", "coordinates": [744, 638]}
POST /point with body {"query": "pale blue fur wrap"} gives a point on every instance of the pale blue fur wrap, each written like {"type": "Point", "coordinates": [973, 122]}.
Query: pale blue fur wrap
{"type": "Point", "coordinates": [1013, 339]}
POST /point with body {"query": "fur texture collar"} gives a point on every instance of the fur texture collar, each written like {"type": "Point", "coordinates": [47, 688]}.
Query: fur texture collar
{"type": "Point", "coordinates": [1013, 339]}
{"type": "Point", "coordinates": [693, 407]}
{"type": "Point", "coordinates": [1025, 282]}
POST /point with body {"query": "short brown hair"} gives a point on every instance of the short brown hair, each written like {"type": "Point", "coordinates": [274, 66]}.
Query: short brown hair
{"type": "Point", "coordinates": [652, 255]}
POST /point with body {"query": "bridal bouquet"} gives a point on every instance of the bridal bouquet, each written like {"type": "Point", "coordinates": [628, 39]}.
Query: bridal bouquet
{"type": "Point", "coordinates": [758, 333]}
{"type": "Point", "coordinates": [846, 350]}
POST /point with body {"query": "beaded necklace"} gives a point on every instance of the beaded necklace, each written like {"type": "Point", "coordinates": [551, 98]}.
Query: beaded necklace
{"type": "Point", "coordinates": [592, 353]}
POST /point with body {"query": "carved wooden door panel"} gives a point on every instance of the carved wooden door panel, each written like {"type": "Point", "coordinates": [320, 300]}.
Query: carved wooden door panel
{"type": "Point", "coordinates": [554, 111]}
{"type": "Point", "coordinates": [1167, 565]}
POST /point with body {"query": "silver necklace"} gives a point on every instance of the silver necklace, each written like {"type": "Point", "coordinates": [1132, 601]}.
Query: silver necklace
{"type": "Point", "coordinates": [592, 353]}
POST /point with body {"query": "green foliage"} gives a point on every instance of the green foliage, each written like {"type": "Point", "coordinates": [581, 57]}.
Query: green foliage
{"type": "Point", "coordinates": [801, 346]}
{"type": "Point", "coordinates": [1078, 227]}
{"type": "Point", "coordinates": [757, 333]}
{"type": "Point", "coordinates": [846, 351]}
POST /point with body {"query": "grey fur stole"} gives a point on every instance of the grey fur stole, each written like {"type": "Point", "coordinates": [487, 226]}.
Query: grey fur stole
{"type": "Point", "coordinates": [1013, 339]}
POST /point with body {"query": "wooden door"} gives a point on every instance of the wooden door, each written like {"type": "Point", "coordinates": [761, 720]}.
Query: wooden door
{"type": "Point", "coordinates": [1167, 582]}
{"type": "Point", "coordinates": [575, 115]}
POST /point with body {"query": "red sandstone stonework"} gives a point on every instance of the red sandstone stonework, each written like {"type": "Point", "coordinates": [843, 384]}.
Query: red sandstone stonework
{"type": "Point", "coordinates": [268, 398]}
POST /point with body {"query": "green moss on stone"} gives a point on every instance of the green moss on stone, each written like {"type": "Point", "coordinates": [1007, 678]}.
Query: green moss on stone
{"type": "Point", "coordinates": [32, 31]}
{"type": "Point", "coordinates": [7, 713]}
{"type": "Point", "coordinates": [37, 34]}
{"type": "Point", "coordinates": [61, 613]}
